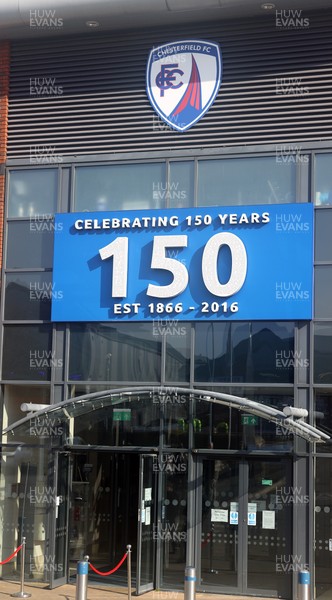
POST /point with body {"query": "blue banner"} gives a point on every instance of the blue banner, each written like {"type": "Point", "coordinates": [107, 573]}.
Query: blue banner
{"type": "Point", "coordinates": [211, 263]}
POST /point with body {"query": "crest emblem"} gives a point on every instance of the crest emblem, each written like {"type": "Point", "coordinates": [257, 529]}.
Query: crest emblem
{"type": "Point", "coordinates": [183, 80]}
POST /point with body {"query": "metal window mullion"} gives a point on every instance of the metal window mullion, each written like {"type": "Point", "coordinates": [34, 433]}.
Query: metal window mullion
{"type": "Point", "coordinates": [242, 528]}
{"type": "Point", "coordinates": [66, 359]}
{"type": "Point", "coordinates": [168, 183]}
{"type": "Point", "coordinates": [195, 182]}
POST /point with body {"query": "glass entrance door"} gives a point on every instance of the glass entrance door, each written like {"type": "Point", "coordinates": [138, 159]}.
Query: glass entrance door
{"type": "Point", "coordinates": [103, 512]}
{"type": "Point", "coordinates": [246, 529]}
{"type": "Point", "coordinates": [219, 537]}
{"type": "Point", "coordinates": [56, 563]}
{"type": "Point", "coordinates": [146, 525]}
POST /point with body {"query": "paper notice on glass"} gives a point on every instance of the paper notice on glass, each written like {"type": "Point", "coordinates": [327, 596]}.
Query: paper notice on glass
{"type": "Point", "coordinates": [219, 515]}
{"type": "Point", "coordinates": [233, 517]}
{"type": "Point", "coordinates": [143, 515]}
{"type": "Point", "coordinates": [269, 521]}
{"type": "Point", "coordinates": [147, 494]}
{"type": "Point", "coordinates": [252, 507]}
{"type": "Point", "coordinates": [147, 515]}
{"type": "Point", "coordinates": [234, 506]}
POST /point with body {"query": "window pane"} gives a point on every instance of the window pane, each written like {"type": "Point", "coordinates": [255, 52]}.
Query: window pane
{"type": "Point", "coordinates": [177, 350]}
{"type": "Point", "coordinates": [323, 180]}
{"type": "Point", "coordinates": [181, 186]}
{"type": "Point", "coordinates": [15, 395]}
{"type": "Point", "coordinates": [212, 352]}
{"type": "Point", "coordinates": [176, 422]}
{"type": "Point", "coordinates": [219, 426]}
{"type": "Point", "coordinates": [101, 426]}
{"type": "Point", "coordinates": [28, 247]}
{"type": "Point", "coordinates": [32, 192]}
{"type": "Point", "coordinates": [239, 181]}
{"type": "Point", "coordinates": [323, 228]}
{"type": "Point", "coordinates": [323, 417]}
{"type": "Point", "coordinates": [80, 389]}
{"type": "Point", "coordinates": [109, 352]}
{"type": "Point", "coordinates": [267, 352]}
{"type": "Point", "coordinates": [120, 187]}
{"type": "Point", "coordinates": [323, 291]}
{"type": "Point", "coordinates": [34, 359]}
{"type": "Point", "coordinates": [29, 295]}
{"type": "Point", "coordinates": [323, 353]}
{"type": "Point", "coordinates": [238, 352]}
{"type": "Point", "coordinates": [25, 474]}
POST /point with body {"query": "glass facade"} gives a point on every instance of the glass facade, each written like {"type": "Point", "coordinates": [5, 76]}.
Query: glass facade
{"type": "Point", "coordinates": [275, 363]}
{"type": "Point", "coordinates": [29, 296]}
{"type": "Point", "coordinates": [114, 352]}
{"type": "Point", "coordinates": [244, 352]}
{"type": "Point", "coordinates": [30, 244]}
{"type": "Point", "coordinates": [120, 187]}
{"type": "Point", "coordinates": [222, 427]}
{"type": "Point", "coordinates": [322, 376]}
{"type": "Point", "coordinates": [323, 414]}
{"type": "Point", "coordinates": [27, 352]}
{"type": "Point", "coordinates": [237, 181]}
{"type": "Point", "coordinates": [323, 224]}
{"type": "Point", "coordinates": [32, 192]}
{"type": "Point", "coordinates": [323, 180]}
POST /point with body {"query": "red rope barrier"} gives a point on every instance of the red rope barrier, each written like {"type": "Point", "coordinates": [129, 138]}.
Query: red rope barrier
{"type": "Point", "coordinates": [112, 570]}
{"type": "Point", "coordinates": [3, 562]}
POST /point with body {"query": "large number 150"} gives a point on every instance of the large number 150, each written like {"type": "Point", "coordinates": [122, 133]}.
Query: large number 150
{"type": "Point", "coordinates": [118, 249]}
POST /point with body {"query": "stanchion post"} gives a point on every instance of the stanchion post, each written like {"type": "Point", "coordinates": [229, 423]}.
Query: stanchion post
{"type": "Point", "coordinates": [190, 583]}
{"type": "Point", "coordinates": [22, 593]}
{"type": "Point", "coordinates": [303, 587]}
{"type": "Point", "coordinates": [82, 579]}
{"type": "Point", "coordinates": [129, 570]}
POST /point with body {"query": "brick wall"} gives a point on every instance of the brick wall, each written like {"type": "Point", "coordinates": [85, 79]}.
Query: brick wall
{"type": "Point", "coordinates": [4, 90]}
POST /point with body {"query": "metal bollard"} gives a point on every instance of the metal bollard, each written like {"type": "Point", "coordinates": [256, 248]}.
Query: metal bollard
{"type": "Point", "coordinates": [82, 579]}
{"type": "Point", "coordinates": [189, 583]}
{"type": "Point", "coordinates": [303, 588]}
{"type": "Point", "coordinates": [22, 593]}
{"type": "Point", "coordinates": [129, 570]}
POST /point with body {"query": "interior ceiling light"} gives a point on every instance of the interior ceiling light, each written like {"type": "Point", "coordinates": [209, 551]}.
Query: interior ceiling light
{"type": "Point", "coordinates": [268, 6]}
{"type": "Point", "coordinates": [92, 24]}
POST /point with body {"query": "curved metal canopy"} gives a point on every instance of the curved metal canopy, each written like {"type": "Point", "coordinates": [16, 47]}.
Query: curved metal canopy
{"type": "Point", "coordinates": [97, 400]}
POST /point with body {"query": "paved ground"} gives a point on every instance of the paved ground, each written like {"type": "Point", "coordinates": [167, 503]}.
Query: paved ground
{"type": "Point", "coordinates": [68, 592]}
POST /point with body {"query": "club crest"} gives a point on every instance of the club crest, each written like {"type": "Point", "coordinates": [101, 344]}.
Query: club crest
{"type": "Point", "coordinates": [183, 79]}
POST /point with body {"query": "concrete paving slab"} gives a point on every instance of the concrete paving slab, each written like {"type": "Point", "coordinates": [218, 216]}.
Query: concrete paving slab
{"type": "Point", "coordinates": [68, 592]}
